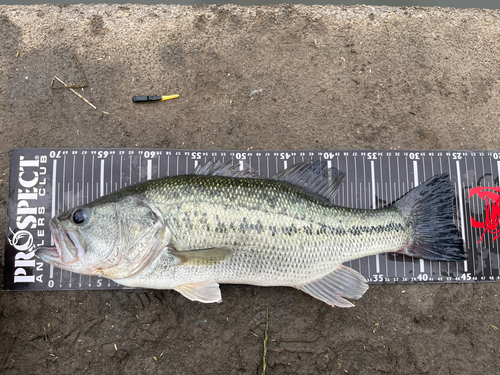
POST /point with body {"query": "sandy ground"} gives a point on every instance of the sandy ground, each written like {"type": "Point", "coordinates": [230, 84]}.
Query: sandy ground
{"type": "Point", "coordinates": [332, 78]}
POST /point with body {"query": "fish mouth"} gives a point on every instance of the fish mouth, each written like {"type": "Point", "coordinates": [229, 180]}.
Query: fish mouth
{"type": "Point", "coordinates": [47, 253]}
{"type": "Point", "coordinates": [67, 246]}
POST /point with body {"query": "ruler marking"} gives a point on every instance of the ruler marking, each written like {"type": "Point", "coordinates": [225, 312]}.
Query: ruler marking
{"type": "Point", "coordinates": [140, 167]}
{"type": "Point", "coordinates": [490, 235]}
{"type": "Point", "coordinates": [498, 252]}
{"type": "Point", "coordinates": [73, 200]}
{"type": "Point", "coordinates": [425, 179]}
{"type": "Point", "coordinates": [177, 164]}
{"type": "Point", "coordinates": [492, 183]}
{"type": "Point", "coordinates": [386, 254]}
{"type": "Point", "coordinates": [64, 180]}
{"type": "Point", "coordinates": [441, 171]}
{"type": "Point", "coordinates": [342, 190]}
{"type": "Point", "coordinates": [150, 168]}
{"type": "Point", "coordinates": [54, 184]}
{"type": "Point", "coordinates": [129, 170]}
{"type": "Point", "coordinates": [101, 180]}
{"type": "Point", "coordinates": [415, 183]}
{"type": "Point", "coordinates": [372, 169]}
{"type": "Point", "coordinates": [111, 174]}
{"type": "Point", "coordinates": [449, 171]}
{"type": "Point", "coordinates": [384, 200]}
{"type": "Point", "coordinates": [480, 248]}
{"type": "Point", "coordinates": [471, 208]}
{"type": "Point", "coordinates": [329, 166]}
{"type": "Point", "coordinates": [83, 177]}
{"type": "Point", "coordinates": [491, 243]}
{"type": "Point", "coordinates": [390, 178]}
{"type": "Point", "coordinates": [461, 204]}
{"type": "Point", "coordinates": [337, 197]}
{"type": "Point", "coordinates": [363, 205]}
{"type": "Point", "coordinates": [121, 171]}
{"type": "Point", "coordinates": [168, 165]}
{"type": "Point", "coordinates": [92, 190]}
{"type": "Point", "coordinates": [347, 176]}
{"type": "Point", "coordinates": [374, 206]}
{"type": "Point", "coordinates": [58, 208]}
{"type": "Point", "coordinates": [390, 201]}
{"type": "Point", "coordinates": [356, 180]}
{"type": "Point", "coordinates": [53, 208]}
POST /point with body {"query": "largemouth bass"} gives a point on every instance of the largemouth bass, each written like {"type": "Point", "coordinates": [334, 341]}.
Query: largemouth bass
{"type": "Point", "coordinates": [219, 225]}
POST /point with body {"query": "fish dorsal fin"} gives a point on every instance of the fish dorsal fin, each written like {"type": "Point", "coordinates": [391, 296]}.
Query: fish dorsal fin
{"type": "Point", "coordinates": [343, 282]}
{"type": "Point", "coordinates": [218, 168]}
{"type": "Point", "coordinates": [206, 292]}
{"type": "Point", "coordinates": [202, 256]}
{"type": "Point", "coordinates": [315, 176]}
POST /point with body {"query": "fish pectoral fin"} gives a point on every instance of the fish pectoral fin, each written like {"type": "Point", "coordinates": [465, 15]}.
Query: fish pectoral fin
{"type": "Point", "coordinates": [206, 292]}
{"type": "Point", "coordinates": [343, 282]}
{"type": "Point", "coordinates": [212, 255]}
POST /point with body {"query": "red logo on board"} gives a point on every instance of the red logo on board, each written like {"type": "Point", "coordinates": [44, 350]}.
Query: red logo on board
{"type": "Point", "coordinates": [491, 196]}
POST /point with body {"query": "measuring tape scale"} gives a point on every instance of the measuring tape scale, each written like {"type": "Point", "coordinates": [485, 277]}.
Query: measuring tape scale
{"type": "Point", "coordinates": [45, 183]}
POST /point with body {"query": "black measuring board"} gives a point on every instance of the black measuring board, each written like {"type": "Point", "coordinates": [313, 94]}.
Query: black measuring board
{"type": "Point", "coordinates": [44, 183]}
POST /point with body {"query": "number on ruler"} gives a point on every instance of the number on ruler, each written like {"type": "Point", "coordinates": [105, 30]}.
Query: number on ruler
{"type": "Point", "coordinates": [330, 155]}
{"type": "Point", "coordinates": [152, 154]}
{"type": "Point", "coordinates": [423, 277]}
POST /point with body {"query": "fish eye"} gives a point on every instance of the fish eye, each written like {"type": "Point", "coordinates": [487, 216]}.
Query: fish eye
{"type": "Point", "coordinates": [80, 216]}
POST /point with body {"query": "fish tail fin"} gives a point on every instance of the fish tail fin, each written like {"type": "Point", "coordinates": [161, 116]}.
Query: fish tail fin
{"type": "Point", "coordinates": [429, 210]}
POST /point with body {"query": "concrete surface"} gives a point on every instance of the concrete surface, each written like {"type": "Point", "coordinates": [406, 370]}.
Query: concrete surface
{"type": "Point", "coordinates": [332, 78]}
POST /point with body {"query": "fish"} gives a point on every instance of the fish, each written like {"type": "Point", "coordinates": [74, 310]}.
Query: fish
{"type": "Point", "coordinates": [219, 225]}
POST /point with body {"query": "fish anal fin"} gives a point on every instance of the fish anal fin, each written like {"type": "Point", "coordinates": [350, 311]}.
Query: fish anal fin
{"type": "Point", "coordinates": [202, 256]}
{"type": "Point", "coordinates": [314, 176]}
{"type": "Point", "coordinates": [343, 282]}
{"type": "Point", "coordinates": [206, 292]}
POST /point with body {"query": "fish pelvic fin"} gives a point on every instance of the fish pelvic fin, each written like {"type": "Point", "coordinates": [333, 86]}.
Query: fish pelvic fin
{"type": "Point", "coordinates": [206, 292]}
{"type": "Point", "coordinates": [429, 210]}
{"type": "Point", "coordinates": [332, 288]}
{"type": "Point", "coordinates": [202, 256]}
{"type": "Point", "coordinates": [314, 176]}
